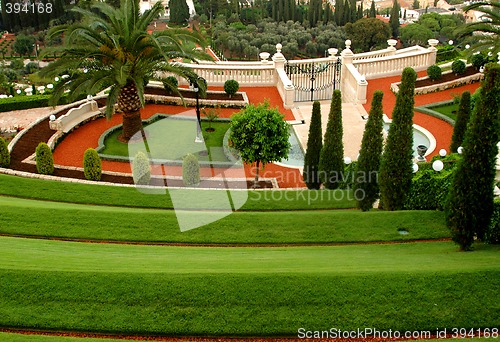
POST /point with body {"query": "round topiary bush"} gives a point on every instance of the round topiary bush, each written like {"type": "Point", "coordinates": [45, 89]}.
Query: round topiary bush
{"type": "Point", "coordinates": [434, 72]}
{"type": "Point", "coordinates": [92, 166]}
{"type": "Point", "coordinates": [477, 60]}
{"type": "Point", "coordinates": [458, 67]}
{"type": "Point", "coordinates": [170, 83]}
{"type": "Point", "coordinates": [190, 170]}
{"type": "Point", "coordinates": [4, 154]}
{"type": "Point", "coordinates": [44, 159]}
{"type": "Point", "coordinates": [231, 87]}
{"type": "Point", "coordinates": [141, 170]}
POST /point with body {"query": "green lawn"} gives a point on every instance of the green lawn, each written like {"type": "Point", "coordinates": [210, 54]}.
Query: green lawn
{"type": "Point", "coordinates": [65, 220]}
{"type": "Point", "coordinates": [173, 147]}
{"type": "Point", "coordinates": [449, 110]}
{"type": "Point", "coordinates": [131, 197]}
{"type": "Point", "coordinates": [191, 291]}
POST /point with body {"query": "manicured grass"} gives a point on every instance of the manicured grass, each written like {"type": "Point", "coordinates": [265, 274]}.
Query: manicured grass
{"type": "Point", "coordinates": [448, 110]}
{"type": "Point", "coordinates": [174, 147]}
{"type": "Point", "coordinates": [246, 291]}
{"type": "Point", "coordinates": [52, 219]}
{"type": "Point", "coordinates": [131, 197]}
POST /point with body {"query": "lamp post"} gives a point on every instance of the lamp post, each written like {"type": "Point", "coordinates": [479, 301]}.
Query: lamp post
{"type": "Point", "coordinates": [196, 89]}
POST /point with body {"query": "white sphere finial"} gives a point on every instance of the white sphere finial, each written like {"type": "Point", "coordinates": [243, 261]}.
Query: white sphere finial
{"type": "Point", "coordinates": [348, 44]}
{"type": "Point", "coordinates": [437, 165]}
{"type": "Point", "coordinates": [442, 152]}
{"type": "Point", "coordinates": [279, 47]}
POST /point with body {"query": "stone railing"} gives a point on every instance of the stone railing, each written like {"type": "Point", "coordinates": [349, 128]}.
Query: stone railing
{"type": "Point", "coordinates": [75, 116]}
{"type": "Point", "coordinates": [392, 65]}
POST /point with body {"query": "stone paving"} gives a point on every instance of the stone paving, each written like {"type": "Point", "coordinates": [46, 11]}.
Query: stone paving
{"type": "Point", "coordinates": [22, 118]}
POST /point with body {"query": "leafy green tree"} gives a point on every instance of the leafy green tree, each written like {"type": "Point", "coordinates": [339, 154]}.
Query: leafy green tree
{"type": "Point", "coordinates": [396, 168]}
{"type": "Point", "coordinates": [484, 33]}
{"type": "Point", "coordinates": [313, 151]}
{"type": "Point", "coordinates": [366, 186]}
{"type": "Point", "coordinates": [331, 161]}
{"type": "Point", "coordinates": [470, 204]}
{"type": "Point", "coordinates": [416, 4]}
{"type": "Point", "coordinates": [394, 19]}
{"type": "Point", "coordinates": [179, 11]}
{"type": "Point", "coordinates": [260, 134]}
{"type": "Point", "coordinates": [415, 34]}
{"type": "Point", "coordinates": [463, 115]}
{"type": "Point", "coordinates": [24, 45]}
{"type": "Point", "coordinates": [114, 47]}
{"type": "Point", "coordinates": [368, 33]}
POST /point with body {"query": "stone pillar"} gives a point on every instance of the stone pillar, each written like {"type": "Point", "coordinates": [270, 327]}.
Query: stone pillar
{"type": "Point", "coordinates": [432, 48]}
{"type": "Point", "coordinates": [346, 56]}
{"type": "Point", "coordinates": [361, 90]}
{"type": "Point", "coordinates": [281, 79]}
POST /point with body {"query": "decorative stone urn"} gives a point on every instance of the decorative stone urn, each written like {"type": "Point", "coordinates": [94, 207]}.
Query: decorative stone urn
{"type": "Point", "coordinates": [421, 150]}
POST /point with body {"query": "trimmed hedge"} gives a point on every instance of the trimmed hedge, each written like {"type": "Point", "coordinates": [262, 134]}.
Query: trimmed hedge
{"type": "Point", "coordinates": [92, 166]}
{"type": "Point", "coordinates": [429, 190]}
{"type": "Point", "coordinates": [33, 101]}
{"type": "Point", "coordinates": [4, 154]}
{"type": "Point", "coordinates": [492, 234]}
{"type": "Point", "coordinates": [231, 87]}
{"type": "Point", "coordinates": [44, 159]}
{"type": "Point", "coordinates": [434, 72]}
{"type": "Point", "coordinates": [141, 170]}
{"type": "Point", "coordinates": [190, 170]}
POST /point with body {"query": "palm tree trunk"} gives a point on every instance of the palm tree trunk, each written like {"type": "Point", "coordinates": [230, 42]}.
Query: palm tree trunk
{"type": "Point", "coordinates": [132, 123]}
{"type": "Point", "coordinates": [130, 104]}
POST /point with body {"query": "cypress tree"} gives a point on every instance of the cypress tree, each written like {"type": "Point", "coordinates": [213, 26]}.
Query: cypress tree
{"type": "Point", "coordinates": [339, 13]}
{"type": "Point", "coordinates": [396, 168]}
{"type": "Point", "coordinates": [373, 11]}
{"type": "Point", "coordinates": [331, 161]}
{"type": "Point", "coordinates": [470, 201]}
{"type": "Point", "coordinates": [464, 109]}
{"type": "Point", "coordinates": [366, 188]}
{"type": "Point", "coordinates": [5, 154]}
{"type": "Point", "coordinates": [394, 20]}
{"type": "Point", "coordinates": [314, 145]}
{"type": "Point", "coordinates": [347, 13]}
{"type": "Point", "coordinates": [179, 11]}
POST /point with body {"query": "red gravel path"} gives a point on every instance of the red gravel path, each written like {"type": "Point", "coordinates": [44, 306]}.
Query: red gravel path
{"type": "Point", "coordinates": [71, 150]}
{"type": "Point", "coordinates": [441, 130]}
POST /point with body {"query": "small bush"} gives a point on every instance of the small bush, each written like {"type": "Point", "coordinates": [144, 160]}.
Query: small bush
{"type": "Point", "coordinates": [32, 67]}
{"type": "Point", "coordinates": [92, 166]}
{"type": "Point", "coordinates": [477, 60]}
{"type": "Point", "coordinates": [17, 64]}
{"type": "Point", "coordinates": [458, 67]}
{"type": "Point", "coordinates": [492, 234]}
{"type": "Point", "coordinates": [44, 159]}
{"type": "Point", "coordinates": [434, 72]}
{"type": "Point", "coordinates": [170, 83]}
{"type": "Point", "coordinates": [190, 170]}
{"type": "Point", "coordinates": [141, 171]}
{"type": "Point", "coordinates": [231, 87]}
{"type": "Point", "coordinates": [4, 154]}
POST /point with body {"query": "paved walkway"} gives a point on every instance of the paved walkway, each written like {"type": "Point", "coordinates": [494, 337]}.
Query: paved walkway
{"type": "Point", "coordinates": [22, 118]}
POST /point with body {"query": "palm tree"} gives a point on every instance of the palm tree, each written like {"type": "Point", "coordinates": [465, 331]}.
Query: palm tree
{"type": "Point", "coordinates": [487, 30]}
{"type": "Point", "coordinates": [111, 47]}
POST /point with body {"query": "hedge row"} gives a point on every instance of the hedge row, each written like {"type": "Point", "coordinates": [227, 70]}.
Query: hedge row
{"type": "Point", "coordinates": [493, 232]}
{"type": "Point", "coordinates": [28, 102]}
{"type": "Point", "coordinates": [429, 190]}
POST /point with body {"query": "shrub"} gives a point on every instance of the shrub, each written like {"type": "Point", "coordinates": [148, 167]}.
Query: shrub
{"type": "Point", "coordinates": [396, 167]}
{"type": "Point", "coordinates": [458, 67]}
{"type": "Point", "coordinates": [460, 127]}
{"type": "Point", "coordinates": [190, 170]}
{"type": "Point", "coordinates": [92, 166]}
{"type": "Point", "coordinates": [478, 60]}
{"type": "Point", "coordinates": [331, 160]}
{"type": "Point", "coordinates": [492, 234]}
{"type": "Point", "coordinates": [32, 67]}
{"type": "Point", "coordinates": [313, 151]}
{"type": "Point", "coordinates": [16, 64]}
{"type": "Point", "coordinates": [4, 154]}
{"type": "Point", "coordinates": [141, 171]}
{"type": "Point", "coordinates": [231, 87]}
{"type": "Point", "coordinates": [370, 154]}
{"type": "Point", "coordinates": [44, 159]}
{"type": "Point", "coordinates": [27, 102]}
{"type": "Point", "coordinates": [434, 72]}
